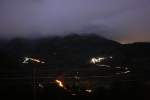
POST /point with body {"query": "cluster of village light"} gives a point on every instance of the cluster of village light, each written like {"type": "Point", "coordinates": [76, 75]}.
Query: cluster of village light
{"type": "Point", "coordinates": [28, 59]}
{"type": "Point", "coordinates": [95, 60]}
{"type": "Point", "coordinates": [98, 60]}
{"type": "Point", "coordinates": [126, 71]}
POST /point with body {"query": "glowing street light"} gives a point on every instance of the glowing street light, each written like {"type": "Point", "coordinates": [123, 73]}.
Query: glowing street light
{"type": "Point", "coordinates": [60, 84]}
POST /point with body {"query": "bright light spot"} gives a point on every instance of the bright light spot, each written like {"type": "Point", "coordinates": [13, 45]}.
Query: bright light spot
{"type": "Point", "coordinates": [89, 91]}
{"type": "Point", "coordinates": [97, 60]}
{"type": "Point", "coordinates": [127, 72]}
{"type": "Point", "coordinates": [27, 59]}
{"type": "Point", "coordinates": [76, 76]}
{"type": "Point", "coordinates": [59, 83]}
{"type": "Point", "coordinates": [40, 85]}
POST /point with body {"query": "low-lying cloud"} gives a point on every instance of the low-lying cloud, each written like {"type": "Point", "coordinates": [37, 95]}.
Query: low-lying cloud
{"type": "Point", "coordinates": [121, 20]}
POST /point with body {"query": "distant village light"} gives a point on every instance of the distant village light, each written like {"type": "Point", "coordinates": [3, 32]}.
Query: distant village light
{"type": "Point", "coordinates": [97, 60]}
{"type": "Point", "coordinates": [27, 59]}
{"type": "Point", "coordinates": [127, 72]}
{"type": "Point", "coordinates": [89, 91]}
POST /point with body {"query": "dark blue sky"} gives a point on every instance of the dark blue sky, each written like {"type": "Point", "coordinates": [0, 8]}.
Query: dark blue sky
{"type": "Point", "coordinates": [121, 20]}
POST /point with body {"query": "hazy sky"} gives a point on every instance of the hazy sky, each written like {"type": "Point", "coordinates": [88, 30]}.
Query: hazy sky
{"type": "Point", "coordinates": [121, 20]}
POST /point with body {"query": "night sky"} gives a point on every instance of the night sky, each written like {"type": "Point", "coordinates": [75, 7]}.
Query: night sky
{"type": "Point", "coordinates": [121, 20]}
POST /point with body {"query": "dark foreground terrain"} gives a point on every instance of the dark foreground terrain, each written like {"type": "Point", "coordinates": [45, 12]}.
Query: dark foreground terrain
{"type": "Point", "coordinates": [118, 90]}
{"type": "Point", "coordinates": [69, 53]}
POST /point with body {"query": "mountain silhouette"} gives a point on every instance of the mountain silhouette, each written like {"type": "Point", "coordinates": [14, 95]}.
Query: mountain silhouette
{"type": "Point", "coordinates": [70, 51]}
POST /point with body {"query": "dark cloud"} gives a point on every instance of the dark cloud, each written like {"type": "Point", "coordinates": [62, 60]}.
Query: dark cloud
{"type": "Point", "coordinates": [116, 19]}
